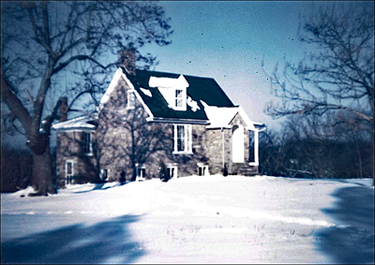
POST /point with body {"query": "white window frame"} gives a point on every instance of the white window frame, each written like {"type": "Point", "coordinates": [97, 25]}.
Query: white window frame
{"type": "Point", "coordinates": [131, 99]}
{"type": "Point", "coordinates": [172, 169]}
{"type": "Point", "coordinates": [179, 98]}
{"type": "Point", "coordinates": [187, 139]}
{"type": "Point", "coordinates": [204, 169]}
{"type": "Point", "coordinates": [238, 145]}
{"type": "Point", "coordinates": [140, 172]}
{"type": "Point", "coordinates": [102, 170]}
{"type": "Point", "coordinates": [69, 176]}
{"type": "Point", "coordinates": [88, 150]}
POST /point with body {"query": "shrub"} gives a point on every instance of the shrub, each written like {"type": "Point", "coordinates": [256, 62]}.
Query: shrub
{"type": "Point", "coordinates": [163, 172]}
{"type": "Point", "coordinates": [225, 170]}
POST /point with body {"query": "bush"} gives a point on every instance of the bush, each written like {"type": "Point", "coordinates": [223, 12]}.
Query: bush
{"type": "Point", "coordinates": [225, 170]}
{"type": "Point", "coordinates": [163, 172]}
{"type": "Point", "coordinates": [16, 169]}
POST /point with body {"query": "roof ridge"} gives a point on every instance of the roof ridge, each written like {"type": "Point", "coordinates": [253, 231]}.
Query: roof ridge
{"type": "Point", "coordinates": [162, 72]}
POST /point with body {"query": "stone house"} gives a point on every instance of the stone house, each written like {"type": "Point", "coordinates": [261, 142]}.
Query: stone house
{"type": "Point", "coordinates": [149, 118]}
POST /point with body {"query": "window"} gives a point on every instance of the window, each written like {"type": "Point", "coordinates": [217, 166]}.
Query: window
{"type": "Point", "coordinates": [103, 174]}
{"type": "Point", "coordinates": [172, 171]}
{"type": "Point", "coordinates": [238, 145]}
{"type": "Point", "coordinates": [182, 138]}
{"type": "Point", "coordinates": [202, 170]}
{"type": "Point", "coordinates": [69, 171]}
{"type": "Point", "coordinates": [179, 98]}
{"type": "Point", "coordinates": [87, 148]}
{"type": "Point", "coordinates": [131, 99]}
{"type": "Point", "coordinates": [141, 172]}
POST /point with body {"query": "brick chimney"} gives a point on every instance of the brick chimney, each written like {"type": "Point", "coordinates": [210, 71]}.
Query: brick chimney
{"type": "Point", "coordinates": [63, 109]}
{"type": "Point", "coordinates": [127, 59]}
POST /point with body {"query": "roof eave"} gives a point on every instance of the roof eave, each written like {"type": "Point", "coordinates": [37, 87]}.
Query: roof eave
{"type": "Point", "coordinates": [180, 121]}
{"type": "Point", "coordinates": [76, 129]}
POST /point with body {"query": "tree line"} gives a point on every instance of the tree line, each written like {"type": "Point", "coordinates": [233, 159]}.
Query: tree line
{"type": "Point", "coordinates": [309, 147]}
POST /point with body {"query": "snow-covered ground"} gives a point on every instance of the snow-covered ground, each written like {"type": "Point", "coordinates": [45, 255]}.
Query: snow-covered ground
{"type": "Point", "coordinates": [193, 220]}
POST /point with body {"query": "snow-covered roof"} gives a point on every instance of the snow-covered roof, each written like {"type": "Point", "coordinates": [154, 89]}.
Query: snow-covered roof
{"type": "Point", "coordinates": [221, 117]}
{"type": "Point", "coordinates": [84, 122]}
{"type": "Point", "coordinates": [152, 87]}
{"type": "Point", "coordinates": [168, 82]}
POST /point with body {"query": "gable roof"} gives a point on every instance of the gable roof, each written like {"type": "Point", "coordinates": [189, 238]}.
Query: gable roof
{"type": "Point", "coordinates": [221, 117]}
{"type": "Point", "coordinates": [207, 103]}
{"type": "Point", "coordinates": [199, 89]}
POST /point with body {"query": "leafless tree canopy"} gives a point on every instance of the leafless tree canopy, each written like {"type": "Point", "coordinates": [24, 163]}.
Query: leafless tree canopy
{"type": "Point", "coordinates": [328, 97]}
{"type": "Point", "coordinates": [45, 43]}
{"type": "Point", "coordinates": [339, 75]}
{"type": "Point", "coordinates": [136, 141]}
{"type": "Point", "coordinates": [306, 146]}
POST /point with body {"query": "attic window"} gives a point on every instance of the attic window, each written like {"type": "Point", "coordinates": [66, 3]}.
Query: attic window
{"type": "Point", "coordinates": [174, 90]}
{"type": "Point", "coordinates": [131, 100]}
{"type": "Point", "coordinates": [179, 97]}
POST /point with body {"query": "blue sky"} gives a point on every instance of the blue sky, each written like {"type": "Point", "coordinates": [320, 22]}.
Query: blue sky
{"type": "Point", "coordinates": [227, 40]}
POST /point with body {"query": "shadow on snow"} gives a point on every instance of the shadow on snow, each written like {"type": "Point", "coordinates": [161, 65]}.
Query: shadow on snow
{"type": "Point", "coordinates": [100, 186]}
{"type": "Point", "coordinates": [104, 242]}
{"type": "Point", "coordinates": [354, 243]}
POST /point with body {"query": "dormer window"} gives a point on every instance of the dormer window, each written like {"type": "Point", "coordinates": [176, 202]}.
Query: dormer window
{"type": "Point", "coordinates": [174, 90]}
{"type": "Point", "coordinates": [179, 101]}
{"type": "Point", "coordinates": [131, 100]}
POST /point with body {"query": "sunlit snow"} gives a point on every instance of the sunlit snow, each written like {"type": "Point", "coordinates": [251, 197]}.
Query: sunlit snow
{"type": "Point", "coordinates": [146, 92]}
{"type": "Point", "coordinates": [211, 219]}
{"type": "Point", "coordinates": [192, 104]}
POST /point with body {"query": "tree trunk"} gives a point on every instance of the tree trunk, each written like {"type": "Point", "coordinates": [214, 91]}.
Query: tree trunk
{"type": "Point", "coordinates": [134, 174]}
{"type": "Point", "coordinates": [41, 179]}
{"type": "Point", "coordinates": [373, 165]}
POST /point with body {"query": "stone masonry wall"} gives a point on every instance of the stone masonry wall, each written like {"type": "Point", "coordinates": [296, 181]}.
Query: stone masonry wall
{"type": "Point", "coordinates": [215, 148]}
{"type": "Point", "coordinates": [70, 147]}
{"type": "Point", "coordinates": [122, 134]}
{"type": "Point", "coordinates": [235, 167]}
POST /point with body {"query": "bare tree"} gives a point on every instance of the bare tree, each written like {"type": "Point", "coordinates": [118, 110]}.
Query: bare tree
{"type": "Point", "coordinates": [318, 146]}
{"type": "Point", "coordinates": [339, 75]}
{"type": "Point", "coordinates": [273, 152]}
{"type": "Point", "coordinates": [125, 137]}
{"type": "Point", "coordinates": [44, 42]}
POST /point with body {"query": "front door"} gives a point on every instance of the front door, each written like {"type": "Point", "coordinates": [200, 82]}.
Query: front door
{"type": "Point", "coordinates": [69, 171]}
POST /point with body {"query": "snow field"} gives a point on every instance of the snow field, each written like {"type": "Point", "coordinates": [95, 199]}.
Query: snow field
{"type": "Point", "coordinates": [187, 220]}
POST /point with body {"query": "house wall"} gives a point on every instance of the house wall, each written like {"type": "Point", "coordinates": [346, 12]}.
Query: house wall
{"type": "Point", "coordinates": [70, 147]}
{"type": "Point", "coordinates": [116, 138]}
{"type": "Point", "coordinates": [122, 134]}
{"type": "Point", "coordinates": [116, 145]}
{"type": "Point", "coordinates": [215, 148]}
{"type": "Point", "coordinates": [188, 163]}
{"type": "Point", "coordinates": [234, 168]}
{"type": "Point", "coordinates": [112, 143]}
